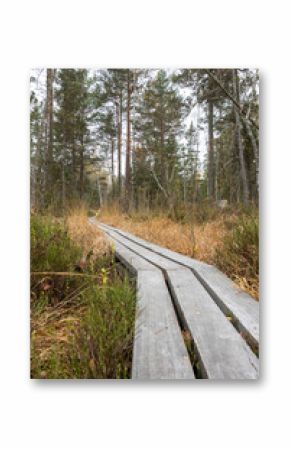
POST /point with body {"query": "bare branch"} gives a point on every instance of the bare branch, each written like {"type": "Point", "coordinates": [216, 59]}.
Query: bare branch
{"type": "Point", "coordinates": [229, 95]}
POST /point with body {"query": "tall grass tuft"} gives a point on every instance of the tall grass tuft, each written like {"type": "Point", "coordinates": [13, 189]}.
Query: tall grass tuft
{"type": "Point", "coordinates": [51, 247]}
{"type": "Point", "coordinates": [96, 342]}
{"type": "Point", "coordinates": [104, 343]}
{"type": "Point", "coordinates": [239, 255]}
{"type": "Point", "coordinates": [88, 237]}
{"type": "Point", "coordinates": [81, 323]}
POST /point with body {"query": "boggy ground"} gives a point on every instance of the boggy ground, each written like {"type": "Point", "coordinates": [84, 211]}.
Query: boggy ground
{"type": "Point", "coordinates": [82, 310]}
{"type": "Point", "coordinates": [228, 239]}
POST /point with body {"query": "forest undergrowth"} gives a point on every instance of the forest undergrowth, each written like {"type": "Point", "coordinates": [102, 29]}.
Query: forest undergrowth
{"type": "Point", "coordinates": [82, 309]}
{"type": "Point", "coordinates": [83, 303]}
{"type": "Point", "coordinates": [228, 239]}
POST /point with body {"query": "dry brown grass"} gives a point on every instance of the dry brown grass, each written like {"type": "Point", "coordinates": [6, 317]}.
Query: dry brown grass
{"type": "Point", "coordinates": [201, 241]}
{"type": "Point", "coordinates": [51, 331]}
{"type": "Point", "coordinates": [53, 327]}
{"type": "Point", "coordinates": [88, 237]}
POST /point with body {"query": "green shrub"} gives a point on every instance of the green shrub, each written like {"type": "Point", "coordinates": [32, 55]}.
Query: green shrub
{"type": "Point", "coordinates": [51, 248]}
{"type": "Point", "coordinates": [239, 256]}
{"type": "Point", "coordinates": [81, 327]}
{"type": "Point", "coordinates": [106, 333]}
{"type": "Point", "coordinates": [101, 347]}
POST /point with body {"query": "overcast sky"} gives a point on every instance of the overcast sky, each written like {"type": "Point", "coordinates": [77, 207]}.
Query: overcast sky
{"type": "Point", "coordinates": [39, 87]}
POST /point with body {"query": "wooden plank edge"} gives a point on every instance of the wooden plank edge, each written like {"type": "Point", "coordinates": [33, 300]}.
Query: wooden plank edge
{"type": "Point", "coordinates": [250, 335]}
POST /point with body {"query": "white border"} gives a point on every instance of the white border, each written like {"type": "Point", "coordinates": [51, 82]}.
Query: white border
{"type": "Point", "coordinates": [144, 34]}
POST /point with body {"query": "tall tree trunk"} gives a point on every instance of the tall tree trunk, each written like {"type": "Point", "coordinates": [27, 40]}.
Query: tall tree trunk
{"type": "Point", "coordinates": [196, 158]}
{"type": "Point", "coordinates": [128, 146]}
{"type": "Point", "coordinates": [163, 168]}
{"type": "Point", "coordinates": [100, 192]}
{"type": "Point", "coordinates": [133, 141]}
{"type": "Point", "coordinates": [254, 146]}
{"type": "Point", "coordinates": [243, 169]}
{"type": "Point", "coordinates": [120, 106]}
{"type": "Point", "coordinates": [63, 185]}
{"type": "Point", "coordinates": [49, 121]}
{"type": "Point", "coordinates": [184, 188]}
{"type": "Point", "coordinates": [210, 169]}
{"type": "Point", "coordinates": [217, 177]}
{"type": "Point", "coordinates": [40, 187]}
{"type": "Point", "coordinates": [235, 102]}
{"type": "Point", "coordinates": [112, 164]}
{"type": "Point", "coordinates": [74, 162]}
{"type": "Point", "coordinates": [81, 182]}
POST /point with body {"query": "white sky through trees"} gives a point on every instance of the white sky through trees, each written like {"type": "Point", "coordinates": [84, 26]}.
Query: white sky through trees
{"type": "Point", "coordinates": [38, 85]}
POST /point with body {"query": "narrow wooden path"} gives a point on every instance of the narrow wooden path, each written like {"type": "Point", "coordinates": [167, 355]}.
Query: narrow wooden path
{"type": "Point", "coordinates": [177, 294]}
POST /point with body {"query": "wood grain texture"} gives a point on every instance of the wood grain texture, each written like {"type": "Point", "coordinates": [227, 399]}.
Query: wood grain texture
{"type": "Point", "coordinates": [152, 257]}
{"type": "Point", "coordinates": [132, 261]}
{"type": "Point", "coordinates": [159, 350]}
{"type": "Point", "coordinates": [235, 303]}
{"type": "Point", "coordinates": [222, 352]}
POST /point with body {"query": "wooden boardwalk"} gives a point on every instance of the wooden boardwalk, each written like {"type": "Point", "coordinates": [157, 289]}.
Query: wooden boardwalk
{"type": "Point", "coordinates": [177, 295]}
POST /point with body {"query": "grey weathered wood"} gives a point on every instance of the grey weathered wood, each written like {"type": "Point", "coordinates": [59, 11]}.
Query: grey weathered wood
{"type": "Point", "coordinates": [159, 350]}
{"type": "Point", "coordinates": [152, 257]}
{"type": "Point", "coordinates": [132, 261]}
{"type": "Point", "coordinates": [222, 352]}
{"type": "Point", "coordinates": [220, 349]}
{"type": "Point", "coordinates": [235, 303]}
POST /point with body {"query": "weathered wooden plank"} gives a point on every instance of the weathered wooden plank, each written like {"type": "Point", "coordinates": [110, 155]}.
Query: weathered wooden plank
{"type": "Point", "coordinates": [152, 257]}
{"type": "Point", "coordinates": [159, 350]}
{"type": "Point", "coordinates": [235, 303]}
{"type": "Point", "coordinates": [240, 306]}
{"type": "Point", "coordinates": [222, 352]}
{"type": "Point", "coordinates": [132, 261]}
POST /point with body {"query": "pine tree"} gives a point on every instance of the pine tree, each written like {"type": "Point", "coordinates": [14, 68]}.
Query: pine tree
{"type": "Point", "coordinates": [37, 153]}
{"type": "Point", "coordinates": [72, 127]}
{"type": "Point", "coordinates": [159, 118]}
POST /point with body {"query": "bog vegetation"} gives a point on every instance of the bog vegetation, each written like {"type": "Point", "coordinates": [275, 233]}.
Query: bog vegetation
{"type": "Point", "coordinates": [81, 323]}
{"type": "Point", "coordinates": [227, 239]}
{"type": "Point", "coordinates": [171, 156]}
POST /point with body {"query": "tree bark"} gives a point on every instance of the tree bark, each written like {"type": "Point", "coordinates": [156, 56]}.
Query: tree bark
{"type": "Point", "coordinates": [210, 174]}
{"type": "Point", "coordinates": [163, 168]}
{"type": "Point", "coordinates": [120, 143]}
{"type": "Point", "coordinates": [243, 169]}
{"type": "Point", "coordinates": [49, 128]}
{"type": "Point", "coordinates": [74, 162]}
{"type": "Point", "coordinates": [40, 186]}
{"type": "Point", "coordinates": [255, 148]}
{"type": "Point", "coordinates": [63, 185]}
{"type": "Point", "coordinates": [234, 100]}
{"type": "Point", "coordinates": [100, 192]}
{"type": "Point", "coordinates": [128, 146]}
{"type": "Point", "coordinates": [112, 163]}
{"type": "Point", "coordinates": [81, 182]}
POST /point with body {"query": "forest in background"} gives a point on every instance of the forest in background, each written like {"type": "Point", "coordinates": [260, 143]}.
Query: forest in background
{"type": "Point", "coordinates": [144, 139]}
